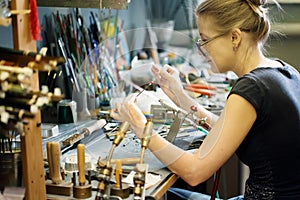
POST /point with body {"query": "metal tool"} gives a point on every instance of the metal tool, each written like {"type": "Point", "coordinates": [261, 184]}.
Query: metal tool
{"type": "Point", "coordinates": [71, 163]}
{"type": "Point", "coordinates": [174, 129]}
{"type": "Point", "coordinates": [56, 185]}
{"type": "Point", "coordinates": [139, 180]}
{"type": "Point", "coordinates": [146, 138]}
{"type": "Point", "coordinates": [148, 85]}
{"type": "Point", "coordinates": [69, 64]}
{"type": "Point", "coordinates": [203, 122]}
{"type": "Point", "coordinates": [83, 189]}
{"type": "Point", "coordinates": [103, 190]}
{"type": "Point", "coordinates": [125, 161]}
{"type": "Point", "coordinates": [84, 133]}
{"type": "Point", "coordinates": [141, 168]}
{"type": "Point", "coordinates": [120, 189]}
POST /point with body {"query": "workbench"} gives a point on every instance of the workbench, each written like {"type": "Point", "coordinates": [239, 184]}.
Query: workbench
{"type": "Point", "coordinates": [98, 145]}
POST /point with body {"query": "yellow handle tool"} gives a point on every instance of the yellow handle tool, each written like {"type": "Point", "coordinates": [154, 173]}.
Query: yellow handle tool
{"type": "Point", "coordinates": [81, 164]}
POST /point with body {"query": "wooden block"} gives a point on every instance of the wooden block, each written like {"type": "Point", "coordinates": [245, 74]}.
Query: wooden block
{"type": "Point", "coordinates": [64, 188]}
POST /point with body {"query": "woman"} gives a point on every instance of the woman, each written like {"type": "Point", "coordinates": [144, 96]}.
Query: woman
{"type": "Point", "coordinates": [260, 120]}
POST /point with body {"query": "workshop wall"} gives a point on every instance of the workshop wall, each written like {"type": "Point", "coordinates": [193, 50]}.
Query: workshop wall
{"type": "Point", "coordinates": [135, 17]}
{"type": "Point", "coordinates": [287, 45]}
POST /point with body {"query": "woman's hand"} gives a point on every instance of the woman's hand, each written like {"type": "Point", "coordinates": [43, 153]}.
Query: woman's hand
{"type": "Point", "coordinates": [168, 79]}
{"type": "Point", "coordinates": [130, 112]}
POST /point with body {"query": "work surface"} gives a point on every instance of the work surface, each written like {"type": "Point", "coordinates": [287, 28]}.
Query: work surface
{"type": "Point", "coordinates": [98, 145]}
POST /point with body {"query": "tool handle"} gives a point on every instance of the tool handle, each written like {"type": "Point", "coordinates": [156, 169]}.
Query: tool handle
{"type": "Point", "coordinates": [49, 159]}
{"type": "Point", "coordinates": [201, 86]}
{"type": "Point", "coordinates": [206, 92]}
{"type": "Point", "coordinates": [55, 156]}
{"type": "Point", "coordinates": [118, 173]}
{"type": "Point", "coordinates": [121, 133]}
{"type": "Point", "coordinates": [96, 126]}
{"type": "Point", "coordinates": [125, 161]}
{"type": "Point", "coordinates": [81, 164]}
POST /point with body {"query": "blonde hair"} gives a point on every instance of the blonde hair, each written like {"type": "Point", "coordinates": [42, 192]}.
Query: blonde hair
{"type": "Point", "coordinates": [248, 15]}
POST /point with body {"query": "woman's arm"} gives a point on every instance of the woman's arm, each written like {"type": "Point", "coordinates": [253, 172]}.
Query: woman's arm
{"type": "Point", "coordinates": [219, 145]}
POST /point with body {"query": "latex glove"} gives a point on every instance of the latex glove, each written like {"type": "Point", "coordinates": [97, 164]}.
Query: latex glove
{"type": "Point", "coordinates": [168, 79]}
{"type": "Point", "coordinates": [130, 112]}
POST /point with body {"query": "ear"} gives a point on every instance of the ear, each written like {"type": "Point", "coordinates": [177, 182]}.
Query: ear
{"type": "Point", "coordinates": [236, 37]}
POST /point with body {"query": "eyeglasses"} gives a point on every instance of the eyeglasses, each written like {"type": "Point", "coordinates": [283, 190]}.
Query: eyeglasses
{"type": "Point", "coordinates": [201, 43]}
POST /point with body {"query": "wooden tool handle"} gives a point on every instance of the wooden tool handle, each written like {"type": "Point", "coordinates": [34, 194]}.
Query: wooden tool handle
{"type": "Point", "coordinates": [55, 156]}
{"type": "Point", "coordinates": [49, 159]}
{"type": "Point", "coordinates": [125, 161]}
{"type": "Point", "coordinates": [81, 164]}
{"type": "Point", "coordinates": [96, 126]}
{"type": "Point", "coordinates": [118, 173]}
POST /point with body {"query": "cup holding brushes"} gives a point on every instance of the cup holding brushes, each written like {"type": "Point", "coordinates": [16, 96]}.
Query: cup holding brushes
{"type": "Point", "coordinates": [83, 189]}
{"type": "Point", "coordinates": [56, 185]}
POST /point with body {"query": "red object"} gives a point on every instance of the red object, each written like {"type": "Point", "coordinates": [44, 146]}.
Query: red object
{"type": "Point", "coordinates": [201, 86]}
{"type": "Point", "coordinates": [34, 21]}
{"type": "Point", "coordinates": [206, 92]}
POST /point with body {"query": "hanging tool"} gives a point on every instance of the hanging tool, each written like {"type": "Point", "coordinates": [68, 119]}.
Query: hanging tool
{"type": "Point", "coordinates": [62, 31]}
{"type": "Point", "coordinates": [72, 36]}
{"type": "Point", "coordinates": [83, 32]}
{"type": "Point", "coordinates": [69, 64]}
{"type": "Point", "coordinates": [94, 30]}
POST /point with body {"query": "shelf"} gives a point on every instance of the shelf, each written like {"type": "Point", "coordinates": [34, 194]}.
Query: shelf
{"type": "Point", "coordinates": [101, 4]}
